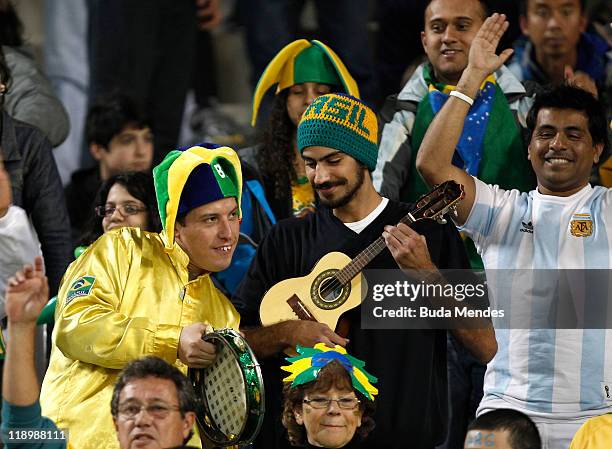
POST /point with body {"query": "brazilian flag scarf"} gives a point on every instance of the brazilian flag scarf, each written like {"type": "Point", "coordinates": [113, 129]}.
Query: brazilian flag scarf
{"type": "Point", "coordinates": [490, 146]}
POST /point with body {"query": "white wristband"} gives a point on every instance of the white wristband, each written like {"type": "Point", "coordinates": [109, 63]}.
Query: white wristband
{"type": "Point", "coordinates": [462, 96]}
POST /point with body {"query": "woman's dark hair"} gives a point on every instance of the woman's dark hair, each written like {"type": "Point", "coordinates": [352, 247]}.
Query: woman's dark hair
{"type": "Point", "coordinates": [278, 155]}
{"type": "Point", "coordinates": [331, 375]}
{"type": "Point", "coordinates": [577, 99]}
{"type": "Point", "coordinates": [140, 186]}
{"type": "Point", "coordinates": [11, 28]}
{"type": "Point", "coordinates": [276, 159]}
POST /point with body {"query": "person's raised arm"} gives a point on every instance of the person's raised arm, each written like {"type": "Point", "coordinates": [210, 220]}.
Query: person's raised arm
{"type": "Point", "coordinates": [434, 159]}
{"type": "Point", "coordinates": [26, 295]}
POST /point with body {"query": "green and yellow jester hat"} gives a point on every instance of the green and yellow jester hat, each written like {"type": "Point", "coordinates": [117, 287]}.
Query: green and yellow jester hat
{"type": "Point", "coordinates": [191, 177]}
{"type": "Point", "coordinates": [301, 62]}
{"type": "Point", "coordinates": [307, 365]}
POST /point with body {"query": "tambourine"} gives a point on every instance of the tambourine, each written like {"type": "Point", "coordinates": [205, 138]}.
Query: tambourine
{"type": "Point", "coordinates": [231, 391]}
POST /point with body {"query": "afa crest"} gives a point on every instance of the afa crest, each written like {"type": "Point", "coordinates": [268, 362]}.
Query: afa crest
{"type": "Point", "coordinates": [581, 225]}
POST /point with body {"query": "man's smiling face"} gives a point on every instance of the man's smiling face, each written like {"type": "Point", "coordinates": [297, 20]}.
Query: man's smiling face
{"type": "Point", "coordinates": [562, 152]}
{"type": "Point", "coordinates": [450, 28]}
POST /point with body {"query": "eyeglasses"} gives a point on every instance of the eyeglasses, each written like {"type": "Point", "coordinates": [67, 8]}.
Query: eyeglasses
{"type": "Point", "coordinates": [124, 209]}
{"type": "Point", "coordinates": [157, 411]}
{"type": "Point", "coordinates": [343, 403]}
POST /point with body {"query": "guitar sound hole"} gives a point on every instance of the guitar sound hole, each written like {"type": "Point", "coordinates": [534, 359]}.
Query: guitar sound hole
{"type": "Point", "coordinates": [327, 292]}
{"type": "Point", "coordinates": [331, 290]}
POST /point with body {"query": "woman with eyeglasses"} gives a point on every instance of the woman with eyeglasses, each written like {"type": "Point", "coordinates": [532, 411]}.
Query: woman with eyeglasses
{"type": "Point", "coordinates": [328, 398]}
{"type": "Point", "coordinates": [124, 200]}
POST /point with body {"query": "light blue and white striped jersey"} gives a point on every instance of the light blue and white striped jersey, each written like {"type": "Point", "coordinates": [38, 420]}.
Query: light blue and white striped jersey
{"type": "Point", "coordinates": [556, 373]}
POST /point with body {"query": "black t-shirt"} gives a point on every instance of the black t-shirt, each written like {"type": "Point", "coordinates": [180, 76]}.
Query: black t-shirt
{"type": "Point", "coordinates": [410, 364]}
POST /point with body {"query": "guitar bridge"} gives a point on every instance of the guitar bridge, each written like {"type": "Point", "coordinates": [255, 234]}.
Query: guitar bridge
{"type": "Point", "coordinates": [300, 309]}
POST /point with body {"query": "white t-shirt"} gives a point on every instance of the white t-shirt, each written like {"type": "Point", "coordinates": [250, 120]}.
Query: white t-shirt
{"type": "Point", "coordinates": [358, 226]}
{"type": "Point", "coordinates": [557, 373]}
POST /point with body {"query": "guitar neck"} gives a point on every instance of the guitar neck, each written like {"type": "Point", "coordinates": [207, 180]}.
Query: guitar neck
{"type": "Point", "coordinates": [354, 267]}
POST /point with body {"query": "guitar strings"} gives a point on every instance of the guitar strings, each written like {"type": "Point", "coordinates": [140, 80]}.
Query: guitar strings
{"type": "Point", "coordinates": [373, 250]}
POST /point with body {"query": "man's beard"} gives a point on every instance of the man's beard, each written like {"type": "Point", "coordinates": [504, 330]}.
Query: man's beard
{"type": "Point", "coordinates": [348, 196]}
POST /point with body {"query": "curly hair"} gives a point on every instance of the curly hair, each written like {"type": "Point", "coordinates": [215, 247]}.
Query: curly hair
{"type": "Point", "coordinates": [331, 375]}
{"type": "Point", "coordinates": [278, 155]}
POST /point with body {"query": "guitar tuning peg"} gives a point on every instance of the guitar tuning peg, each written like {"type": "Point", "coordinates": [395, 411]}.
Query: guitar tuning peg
{"type": "Point", "coordinates": [441, 220]}
{"type": "Point", "coordinates": [454, 211]}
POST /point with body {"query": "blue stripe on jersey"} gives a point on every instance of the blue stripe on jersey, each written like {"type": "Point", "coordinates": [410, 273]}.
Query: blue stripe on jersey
{"type": "Point", "coordinates": [541, 351]}
{"type": "Point", "coordinates": [597, 248]}
{"type": "Point", "coordinates": [483, 214]}
{"type": "Point", "coordinates": [596, 256]}
{"type": "Point", "coordinates": [592, 369]}
{"type": "Point", "coordinates": [510, 241]}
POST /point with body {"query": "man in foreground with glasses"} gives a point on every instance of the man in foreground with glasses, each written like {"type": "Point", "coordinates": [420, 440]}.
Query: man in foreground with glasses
{"type": "Point", "coordinates": [328, 398]}
{"type": "Point", "coordinates": [153, 405]}
{"type": "Point", "coordinates": [134, 293]}
{"type": "Point", "coordinates": [150, 384]}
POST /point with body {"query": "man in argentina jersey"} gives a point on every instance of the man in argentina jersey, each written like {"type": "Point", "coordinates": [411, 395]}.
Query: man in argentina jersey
{"type": "Point", "coordinates": [556, 376]}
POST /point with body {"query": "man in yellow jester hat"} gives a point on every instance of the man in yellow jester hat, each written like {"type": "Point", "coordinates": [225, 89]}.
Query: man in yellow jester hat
{"type": "Point", "coordinates": [134, 293]}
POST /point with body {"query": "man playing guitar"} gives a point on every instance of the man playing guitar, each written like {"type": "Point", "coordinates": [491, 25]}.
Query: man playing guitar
{"type": "Point", "coordinates": [337, 137]}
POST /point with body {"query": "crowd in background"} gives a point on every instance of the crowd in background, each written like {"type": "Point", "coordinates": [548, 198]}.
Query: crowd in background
{"type": "Point", "coordinates": [79, 140]}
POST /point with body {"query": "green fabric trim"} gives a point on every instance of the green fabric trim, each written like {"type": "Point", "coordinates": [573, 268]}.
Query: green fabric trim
{"type": "Point", "coordinates": [313, 65]}
{"type": "Point", "coordinates": [160, 178]}
{"type": "Point", "coordinates": [333, 61]}
{"type": "Point", "coordinates": [429, 79]}
{"type": "Point", "coordinates": [227, 180]}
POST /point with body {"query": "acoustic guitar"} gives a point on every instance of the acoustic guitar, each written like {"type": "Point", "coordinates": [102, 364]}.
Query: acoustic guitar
{"type": "Point", "coordinates": [335, 284]}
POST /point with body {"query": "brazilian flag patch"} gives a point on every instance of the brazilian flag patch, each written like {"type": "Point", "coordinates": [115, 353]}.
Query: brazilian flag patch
{"type": "Point", "coordinates": [81, 287]}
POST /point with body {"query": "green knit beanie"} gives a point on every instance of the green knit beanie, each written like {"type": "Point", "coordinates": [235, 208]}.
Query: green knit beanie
{"type": "Point", "coordinates": [341, 122]}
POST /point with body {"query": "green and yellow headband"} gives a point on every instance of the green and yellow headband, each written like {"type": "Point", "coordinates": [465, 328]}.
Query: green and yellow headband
{"type": "Point", "coordinates": [306, 367]}
{"type": "Point", "coordinates": [299, 62]}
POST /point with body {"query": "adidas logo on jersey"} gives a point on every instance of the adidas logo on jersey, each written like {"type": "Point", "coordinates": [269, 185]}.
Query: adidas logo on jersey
{"type": "Point", "coordinates": [526, 227]}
